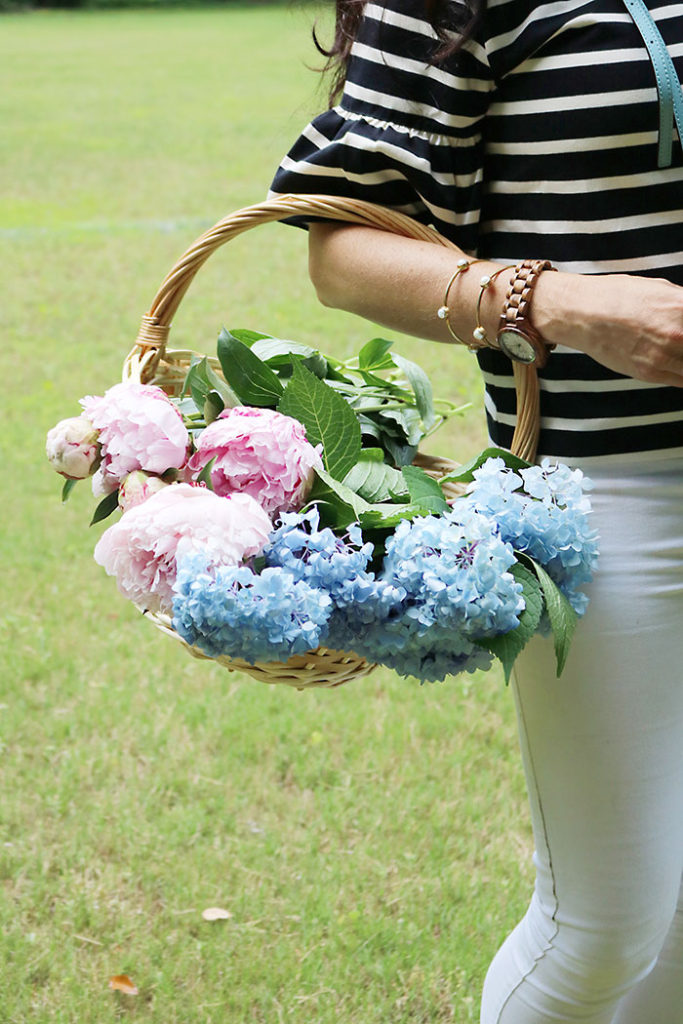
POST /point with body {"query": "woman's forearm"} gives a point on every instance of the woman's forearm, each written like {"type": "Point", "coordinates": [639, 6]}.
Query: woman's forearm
{"type": "Point", "coordinates": [400, 282]}
{"type": "Point", "coordinates": [632, 325]}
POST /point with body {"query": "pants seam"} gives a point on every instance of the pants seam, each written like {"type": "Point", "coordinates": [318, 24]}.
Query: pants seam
{"type": "Point", "coordinates": [533, 776]}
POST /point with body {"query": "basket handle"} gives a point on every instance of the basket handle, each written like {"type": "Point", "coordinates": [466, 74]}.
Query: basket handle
{"type": "Point", "coordinates": [150, 344]}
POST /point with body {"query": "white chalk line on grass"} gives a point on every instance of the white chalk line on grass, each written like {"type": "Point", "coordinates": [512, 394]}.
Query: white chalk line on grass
{"type": "Point", "coordinates": [107, 227]}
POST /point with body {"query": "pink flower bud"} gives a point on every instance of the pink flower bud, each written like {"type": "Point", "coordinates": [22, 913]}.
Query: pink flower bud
{"type": "Point", "coordinates": [138, 487]}
{"type": "Point", "coordinates": [103, 483]}
{"type": "Point", "coordinates": [73, 449]}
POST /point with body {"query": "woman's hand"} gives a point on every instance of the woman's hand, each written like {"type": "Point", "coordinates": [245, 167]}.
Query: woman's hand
{"type": "Point", "coordinates": [633, 325]}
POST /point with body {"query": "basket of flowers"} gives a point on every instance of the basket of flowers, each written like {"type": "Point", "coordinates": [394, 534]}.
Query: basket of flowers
{"type": "Point", "coordinates": [277, 515]}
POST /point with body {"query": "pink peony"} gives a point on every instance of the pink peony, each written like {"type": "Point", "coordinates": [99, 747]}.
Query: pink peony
{"type": "Point", "coordinates": [260, 452]}
{"type": "Point", "coordinates": [141, 549]}
{"type": "Point", "coordinates": [138, 487]}
{"type": "Point", "coordinates": [140, 428]}
{"type": "Point", "coordinates": [72, 448]}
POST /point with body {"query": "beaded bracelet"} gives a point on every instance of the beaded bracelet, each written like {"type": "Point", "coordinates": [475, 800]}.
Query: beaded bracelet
{"type": "Point", "coordinates": [443, 312]}
{"type": "Point", "coordinates": [479, 333]}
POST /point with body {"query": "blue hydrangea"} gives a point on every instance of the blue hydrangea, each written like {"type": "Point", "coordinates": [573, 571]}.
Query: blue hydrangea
{"type": "Point", "coordinates": [355, 622]}
{"type": "Point", "coordinates": [544, 512]}
{"type": "Point", "coordinates": [321, 558]}
{"type": "Point", "coordinates": [444, 583]}
{"type": "Point", "coordinates": [436, 657]}
{"type": "Point", "coordinates": [455, 571]}
{"type": "Point", "coordinates": [385, 627]}
{"type": "Point", "coordinates": [230, 610]}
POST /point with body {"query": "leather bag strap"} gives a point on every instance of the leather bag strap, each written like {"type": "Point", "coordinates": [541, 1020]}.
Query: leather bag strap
{"type": "Point", "coordinates": [669, 88]}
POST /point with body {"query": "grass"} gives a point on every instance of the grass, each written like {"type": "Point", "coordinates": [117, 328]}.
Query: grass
{"type": "Point", "coordinates": [370, 843]}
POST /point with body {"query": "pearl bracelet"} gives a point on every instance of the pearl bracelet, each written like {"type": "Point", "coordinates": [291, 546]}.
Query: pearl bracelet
{"type": "Point", "coordinates": [479, 334]}
{"type": "Point", "coordinates": [444, 312]}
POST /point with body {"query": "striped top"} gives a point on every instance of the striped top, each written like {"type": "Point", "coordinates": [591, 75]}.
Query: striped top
{"type": "Point", "coordinates": [538, 140]}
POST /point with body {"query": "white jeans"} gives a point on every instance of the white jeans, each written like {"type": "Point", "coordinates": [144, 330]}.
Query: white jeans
{"type": "Point", "coordinates": [602, 941]}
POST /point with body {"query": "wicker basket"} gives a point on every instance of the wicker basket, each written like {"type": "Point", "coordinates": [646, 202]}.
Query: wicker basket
{"type": "Point", "coordinates": [151, 362]}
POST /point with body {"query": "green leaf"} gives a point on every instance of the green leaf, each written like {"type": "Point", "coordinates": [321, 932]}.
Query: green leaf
{"type": "Point", "coordinates": [399, 453]}
{"type": "Point", "coordinates": [507, 646]}
{"type": "Point", "coordinates": [368, 426]}
{"type": "Point", "coordinates": [68, 488]}
{"type": "Point", "coordinates": [281, 355]}
{"type": "Point", "coordinates": [230, 399]}
{"type": "Point", "coordinates": [563, 618]}
{"type": "Point", "coordinates": [253, 382]}
{"type": "Point", "coordinates": [425, 492]}
{"type": "Point", "coordinates": [384, 516]}
{"type": "Point", "coordinates": [422, 388]}
{"type": "Point", "coordinates": [374, 479]}
{"type": "Point", "coordinates": [105, 507]}
{"type": "Point", "coordinates": [373, 355]}
{"type": "Point", "coordinates": [201, 379]}
{"type": "Point", "coordinates": [329, 420]}
{"type": "Point", "coordinates": [185, 406]}
{"type": "Point", "coordinates": [405, 422]}
{"type": "Point", "coordinates": [336, 371]}
{"type": "Point", "coordinates": [372, 455]}
{"type": "Point", "coordinates": [465, 474]}
{"type": "Point", "coordinates": [389, 390]}
{"type": "Point", "coordinates": [340, 506]}
{"type": "Point", "coordinates": [197, 384]}
{"type": "Point", "coordinates": [213, 407]}
{"type": "Point", "coordinates": [247, 337]}
{"type": "Point", "coordinates": [345, 503]}
{"type": "Point", "coordinates": [205, 475]}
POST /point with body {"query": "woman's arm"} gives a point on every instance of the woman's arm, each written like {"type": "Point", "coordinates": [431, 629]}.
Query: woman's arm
{"type": "Point", "coordinates": [633, 325]}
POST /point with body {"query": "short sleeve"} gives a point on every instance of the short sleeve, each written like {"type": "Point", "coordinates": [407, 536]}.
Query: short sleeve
{"type": "Point", "coordinates": [407, 133]}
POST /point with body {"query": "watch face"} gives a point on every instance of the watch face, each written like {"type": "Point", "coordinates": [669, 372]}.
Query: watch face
{"type": "Point", "coordinates": [516, 346]}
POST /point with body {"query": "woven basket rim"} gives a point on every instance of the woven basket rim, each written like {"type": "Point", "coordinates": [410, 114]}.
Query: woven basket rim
{"type": "Point", "coordinates": [322, 667]}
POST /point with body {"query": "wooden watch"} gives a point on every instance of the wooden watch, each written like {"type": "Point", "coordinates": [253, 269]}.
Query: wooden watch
{"type": "Point", "coordinates": [517, 337]}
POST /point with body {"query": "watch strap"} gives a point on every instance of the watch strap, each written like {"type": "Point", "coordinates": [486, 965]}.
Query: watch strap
{"type": "Point", "coordinates": [516, 312]}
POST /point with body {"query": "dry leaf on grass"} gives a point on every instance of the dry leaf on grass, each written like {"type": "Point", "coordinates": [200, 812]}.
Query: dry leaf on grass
{"type": "Point", "coordinates": [216, 914]}
{"type": "Point", "coordinates": [122, 983]}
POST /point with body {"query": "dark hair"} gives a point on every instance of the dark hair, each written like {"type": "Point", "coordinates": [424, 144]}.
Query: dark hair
{"type": "Point", "coordinates": [440, 13]}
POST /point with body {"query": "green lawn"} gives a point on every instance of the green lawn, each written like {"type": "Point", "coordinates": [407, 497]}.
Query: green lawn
{"type": "Point", "coordinates": [371, 843]}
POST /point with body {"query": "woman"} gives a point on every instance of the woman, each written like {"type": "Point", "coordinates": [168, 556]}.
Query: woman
{"type": "Point", "coordinates": [527, 132]}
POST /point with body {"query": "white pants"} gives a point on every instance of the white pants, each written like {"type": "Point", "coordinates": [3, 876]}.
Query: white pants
{"type": "Point", "coordinates": [602, 941]}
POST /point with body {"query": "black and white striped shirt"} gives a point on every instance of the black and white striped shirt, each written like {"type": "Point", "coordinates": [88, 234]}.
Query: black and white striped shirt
{"type": "Point", "coordinates": [538, 140]}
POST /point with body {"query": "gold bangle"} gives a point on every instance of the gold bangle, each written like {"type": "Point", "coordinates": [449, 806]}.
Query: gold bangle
{"type": "Point", "coordinates": [479, 334]}
{"type": "Point", "coordinates": [444, 312]}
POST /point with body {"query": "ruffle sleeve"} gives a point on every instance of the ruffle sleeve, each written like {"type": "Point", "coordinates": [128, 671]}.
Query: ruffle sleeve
{"type": "Point", "coordinates": [406, 134]}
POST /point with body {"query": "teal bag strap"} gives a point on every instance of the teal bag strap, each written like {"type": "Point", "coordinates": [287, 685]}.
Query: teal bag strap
{"type": "Point", "coordinates": [668, 86]}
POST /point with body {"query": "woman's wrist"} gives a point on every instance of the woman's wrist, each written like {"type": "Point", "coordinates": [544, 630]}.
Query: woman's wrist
{"type": "Point", "coordinates": [558, 298]}
{"type": "Point", "coordinates": [581, 310]}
